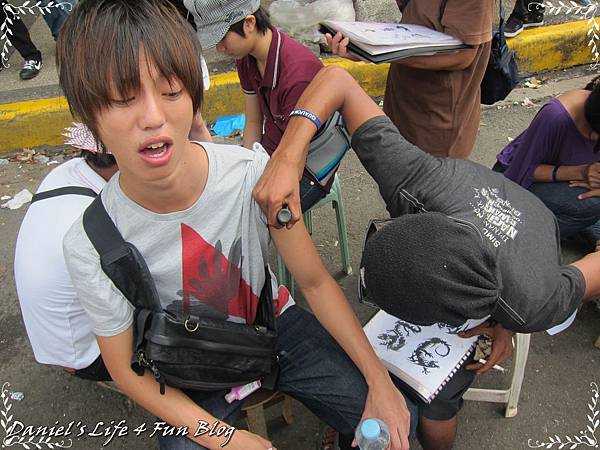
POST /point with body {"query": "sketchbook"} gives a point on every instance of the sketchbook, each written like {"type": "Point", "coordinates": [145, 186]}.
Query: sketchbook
{"type": "Point", "coordinates": [385, 42]}
{"type": "Point", "coordinates": [423, 357]}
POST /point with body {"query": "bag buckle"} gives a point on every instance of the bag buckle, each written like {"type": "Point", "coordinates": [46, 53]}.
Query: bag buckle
{"type": "Point", "coordinates": [189, 327]}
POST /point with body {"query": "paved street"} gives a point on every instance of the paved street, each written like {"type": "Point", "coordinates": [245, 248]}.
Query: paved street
{"type": "Point", "coordinates": [46, 83]}
{"type": "Point", "coordinates": [556, 390]}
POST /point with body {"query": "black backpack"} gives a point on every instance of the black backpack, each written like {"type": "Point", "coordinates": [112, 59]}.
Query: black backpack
{"type": "Point", "coordinates": [196, 353]}
{"type": "Point", "coordinates": [501, 75]}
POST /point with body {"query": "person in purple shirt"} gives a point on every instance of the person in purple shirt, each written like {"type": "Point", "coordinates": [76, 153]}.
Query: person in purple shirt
{"type": "Point", "coordinates": [557, 158]}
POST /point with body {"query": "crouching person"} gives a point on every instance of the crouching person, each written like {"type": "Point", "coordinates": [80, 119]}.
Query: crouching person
{"type": "Point", "coordinates": [188, 210]}
{"type": "Point", "coordinates": [464, 242]}
{"type": "Point", "coordinates": [59, 331]}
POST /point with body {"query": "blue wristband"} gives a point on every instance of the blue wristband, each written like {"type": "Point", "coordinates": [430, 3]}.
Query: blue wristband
{"type": "Point", "coordinates": [307, 115]}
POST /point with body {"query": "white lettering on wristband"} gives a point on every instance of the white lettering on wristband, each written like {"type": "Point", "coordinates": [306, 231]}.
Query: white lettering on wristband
{"type": "Point", "coordinates": [307, 115]}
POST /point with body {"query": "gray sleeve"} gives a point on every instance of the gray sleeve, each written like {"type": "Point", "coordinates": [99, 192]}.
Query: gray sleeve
{"type": "Point", "coordinates": [565, 300]}
{"type": "Point", "coordinates": [255, 171]}
{"type": "Point", "coordinates": [559, 295]}
{"type": "Point", "coordinates": [408, 178]}
{"type": "Point", "coordinates": [108, 309]}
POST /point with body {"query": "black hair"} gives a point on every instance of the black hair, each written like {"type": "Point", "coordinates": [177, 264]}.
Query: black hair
{"type": "Point", "coordinates": [263, 23]}
{"type": "Point", "coordinates": [591, 107]}
{"type": "Point", "coordinates": [98, 160]}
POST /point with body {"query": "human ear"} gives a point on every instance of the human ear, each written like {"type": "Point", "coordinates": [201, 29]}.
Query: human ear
{"type": "Point", "coordinates": [249, 24]}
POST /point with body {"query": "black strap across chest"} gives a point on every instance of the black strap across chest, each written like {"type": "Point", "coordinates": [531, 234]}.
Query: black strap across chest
{"type": "Point", "coordinates": [66, 190]}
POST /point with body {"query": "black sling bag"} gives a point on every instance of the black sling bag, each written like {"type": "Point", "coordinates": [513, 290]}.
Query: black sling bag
{"type": "Point", "coordinates": [501, 75]}
{"type": "Point", "coordinates": [194, 353]}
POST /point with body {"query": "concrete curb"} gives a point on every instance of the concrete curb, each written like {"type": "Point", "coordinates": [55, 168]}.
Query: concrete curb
{"type": "Point", "coordinates": [40, 122]}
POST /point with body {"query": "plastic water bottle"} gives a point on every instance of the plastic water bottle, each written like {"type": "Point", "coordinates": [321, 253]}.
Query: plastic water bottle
{"type": "Point", "coordinates": [372, 434]}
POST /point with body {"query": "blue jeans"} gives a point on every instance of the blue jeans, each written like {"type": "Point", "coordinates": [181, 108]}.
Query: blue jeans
{"type": "Point", "coordinates": [573, 215]}
{"type": "Point", "coordinates": [310, 193]}
{"type": "Point", "coordinates": [313, 369]}
{"type": "Point", "coordinates": [57, 15]}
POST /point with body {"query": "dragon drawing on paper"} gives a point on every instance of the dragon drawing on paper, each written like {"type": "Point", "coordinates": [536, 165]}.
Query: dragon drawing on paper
{"type": "Point", "coordinates": [428, 353]}
{"type": "Point", "coordinates": [394, 339]}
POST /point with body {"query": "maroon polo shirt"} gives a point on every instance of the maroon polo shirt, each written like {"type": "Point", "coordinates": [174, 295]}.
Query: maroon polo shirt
{"type": "Point", "coordinates": [290, 68]}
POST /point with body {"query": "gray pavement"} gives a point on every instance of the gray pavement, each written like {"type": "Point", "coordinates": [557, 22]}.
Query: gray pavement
{"type": "Point", "coordinates": [13, 89]}
{"type": "Point", "coordinates": [556, 390]}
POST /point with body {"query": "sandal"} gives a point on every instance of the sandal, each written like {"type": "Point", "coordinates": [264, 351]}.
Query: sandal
{"type": "Point", "coordinates": [327, 438]}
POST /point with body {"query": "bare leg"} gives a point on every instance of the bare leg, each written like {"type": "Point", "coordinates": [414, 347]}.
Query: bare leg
{"type": "Point", "coordinates": [437, 434]}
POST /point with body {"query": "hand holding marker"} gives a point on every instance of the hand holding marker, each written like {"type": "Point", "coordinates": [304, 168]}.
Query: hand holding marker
{"type": "Point", "coordinates": [284, 216]}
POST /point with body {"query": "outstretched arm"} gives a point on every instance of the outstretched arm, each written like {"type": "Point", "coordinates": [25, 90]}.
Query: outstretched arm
{"type": "Point", "coordinates": [393, 162]}
{"type": "Point", "coordinates": [332, 89]}
{"type": "Point", "coordinates": [333, 311]}
{"type": "Point", "coordinates": [589, 266]}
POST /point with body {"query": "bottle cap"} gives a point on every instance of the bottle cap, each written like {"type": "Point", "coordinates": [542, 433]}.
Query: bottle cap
{"type": "Point", "coordinates": [370, 429]}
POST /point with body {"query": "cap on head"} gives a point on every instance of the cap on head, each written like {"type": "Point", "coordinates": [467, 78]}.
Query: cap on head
{"type": "Point", "coordinates": [429, 268]}
{"type": "Point", "coordinates": [214, 17]}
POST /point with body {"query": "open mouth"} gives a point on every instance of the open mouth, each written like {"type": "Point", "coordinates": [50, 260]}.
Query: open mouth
{"type": "Point", "coordinates": [156, 151]}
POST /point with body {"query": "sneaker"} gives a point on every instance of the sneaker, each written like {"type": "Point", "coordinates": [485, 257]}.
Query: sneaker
{"type": "Point", "coordinates": [513, 26]}
{"type": "Point", "coordinates": [31, 69]}
{"type": "Point", "coordinates": [534, 18]}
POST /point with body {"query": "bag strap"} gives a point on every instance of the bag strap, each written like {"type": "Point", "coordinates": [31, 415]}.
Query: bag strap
{"type": "Point", "coordinates": [66, 190]}
{"type": "Point", "coordinates": [501, 22]}
{"type": "Point", "coordinates": [442, 10]}
{"type": "Point", "coordinates": [102, 232]}
{"type": "Point", "coordinates": [120, 261]}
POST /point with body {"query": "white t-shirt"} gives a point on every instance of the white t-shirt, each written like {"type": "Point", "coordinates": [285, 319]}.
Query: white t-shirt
{"type": "Point", "coordinates": [59, 330]}
{"type": "Point", "coordinates": [207, 260]}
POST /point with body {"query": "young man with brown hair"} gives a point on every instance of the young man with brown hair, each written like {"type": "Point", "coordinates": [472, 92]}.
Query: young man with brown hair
{"type": "Point", "coordinates": [187, 208]}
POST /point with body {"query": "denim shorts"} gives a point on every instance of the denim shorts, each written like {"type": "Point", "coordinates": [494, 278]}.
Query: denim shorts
{"type": "Point", "coordinates": [313, 369]}
{"type": "Point", "coordinates": [310, 193]}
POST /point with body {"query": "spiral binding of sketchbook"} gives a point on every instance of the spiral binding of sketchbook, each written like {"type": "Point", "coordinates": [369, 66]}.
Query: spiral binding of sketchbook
{"type": "Point", "coordinates": [424, 357]}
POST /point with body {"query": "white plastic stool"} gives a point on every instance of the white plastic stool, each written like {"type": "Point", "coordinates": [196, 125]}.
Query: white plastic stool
{"type": "Point", "coordinates": [511, 395]}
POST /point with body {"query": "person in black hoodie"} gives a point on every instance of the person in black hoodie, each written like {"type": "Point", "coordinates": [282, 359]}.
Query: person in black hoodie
{"type": "Point", "coordinates": [463, 243]}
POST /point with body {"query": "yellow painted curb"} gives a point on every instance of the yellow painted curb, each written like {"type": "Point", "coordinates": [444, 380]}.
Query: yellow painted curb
{"type": "Point", "coordinates": [40, 122]}
{"type": "Point", "coordinates": [33, 123]}
{"type": "Point", "coordinates": [552, 47]}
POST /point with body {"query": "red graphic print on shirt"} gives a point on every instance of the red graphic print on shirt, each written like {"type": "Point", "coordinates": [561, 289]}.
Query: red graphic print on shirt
{"type": "Point", "coordinates": [214, 280]}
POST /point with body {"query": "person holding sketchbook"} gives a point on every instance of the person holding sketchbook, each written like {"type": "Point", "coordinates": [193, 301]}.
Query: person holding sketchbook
{"type": "Point", "coordinates": [466, 242]}
{"type": "Point", "coordinates": [435, 100]}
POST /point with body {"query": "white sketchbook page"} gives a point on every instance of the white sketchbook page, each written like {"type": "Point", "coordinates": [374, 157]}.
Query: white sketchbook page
{"type": "Point", "coordinates": [392, 34]}
{"type": "Point", "coordinates": [421, 356]}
